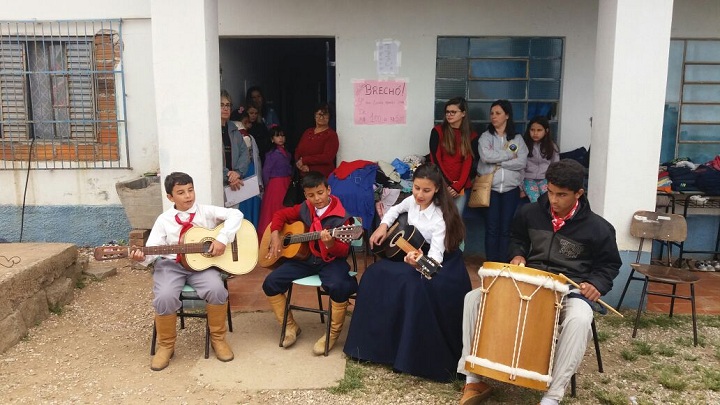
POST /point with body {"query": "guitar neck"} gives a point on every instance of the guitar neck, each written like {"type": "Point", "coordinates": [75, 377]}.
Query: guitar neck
{"type": "Point", "coordinates": [173, 249]}
{"type": "Point", "coordinates": [405, 245]}
{"type": "Point", "coordinates": [304, 237]}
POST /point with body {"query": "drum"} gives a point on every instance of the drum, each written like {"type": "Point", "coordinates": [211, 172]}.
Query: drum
{"type": "Point", "coordinates": [517, 325]}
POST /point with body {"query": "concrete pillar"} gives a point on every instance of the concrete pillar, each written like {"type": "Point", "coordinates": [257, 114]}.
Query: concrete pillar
{"type": "Point", "coordinates": [633, 42]}
{"type": "Point", "coordinates": [187, 93]}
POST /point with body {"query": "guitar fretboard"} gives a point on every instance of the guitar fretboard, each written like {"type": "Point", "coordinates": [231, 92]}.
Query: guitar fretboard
{"type": "Point", "coordinates": [169, 249]}
{"type": "Point", "coordinates": [405, 245]}
{"type": "Point", "coordinates": [304, 237]}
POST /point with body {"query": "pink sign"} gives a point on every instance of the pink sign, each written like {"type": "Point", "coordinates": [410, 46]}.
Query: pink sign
{"type": "Point", "coordinates": [380, 102]}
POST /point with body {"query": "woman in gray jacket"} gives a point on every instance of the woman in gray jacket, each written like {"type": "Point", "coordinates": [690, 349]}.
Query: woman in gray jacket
{"type": "Point", "coordinates": [502, 151]}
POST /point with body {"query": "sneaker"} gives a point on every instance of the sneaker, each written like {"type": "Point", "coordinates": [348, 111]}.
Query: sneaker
{"type": "Point", "coordinates": [475, 393]}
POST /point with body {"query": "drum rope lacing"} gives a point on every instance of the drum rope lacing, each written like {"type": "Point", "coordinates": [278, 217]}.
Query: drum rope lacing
{"type": "Point", "coordinates": [517, 349]}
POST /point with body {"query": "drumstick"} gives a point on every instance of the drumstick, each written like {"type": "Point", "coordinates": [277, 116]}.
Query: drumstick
{"type": "Point", "coordinates": [599, 300]}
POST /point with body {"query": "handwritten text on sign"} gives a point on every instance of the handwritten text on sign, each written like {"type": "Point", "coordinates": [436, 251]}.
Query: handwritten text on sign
{"type": "Point", "coordinates": [380, 102]}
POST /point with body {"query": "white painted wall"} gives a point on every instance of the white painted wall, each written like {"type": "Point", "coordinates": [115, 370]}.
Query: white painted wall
{"type": "Point", "coordinates": [356, 26]}
{"type": "Point", "coordinates": [417, 24]}
{"type": "Point", "coordinates": [92, 186]}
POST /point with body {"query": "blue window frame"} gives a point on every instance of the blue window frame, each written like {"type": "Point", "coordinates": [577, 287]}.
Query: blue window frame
{"type": "Point", "coordinates": [527, 71]}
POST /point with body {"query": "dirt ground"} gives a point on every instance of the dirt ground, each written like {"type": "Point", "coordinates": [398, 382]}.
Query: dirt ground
{"type": "Point", "coordinates": [96, 350]}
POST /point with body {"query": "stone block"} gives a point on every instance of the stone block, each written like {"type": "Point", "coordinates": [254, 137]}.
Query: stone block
{"type": "Point", "coordinates": [100, 271]}
{"type": "Point", "coordinates": [75, 271]}
{"type": "Point", "coordinates": [60, 292]}
{"type": "Point", "coordinates": [35, 309]}
{"type": "Point", "coordinates": [13, 329]}
{"type": "Point", "coordinates": [5, 307]}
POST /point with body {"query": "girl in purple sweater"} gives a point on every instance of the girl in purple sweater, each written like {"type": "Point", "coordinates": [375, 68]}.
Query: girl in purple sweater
{"type": "Point", "coordinates": [277, 175]}
{"type": "Point", "coordinates": [543, 151]}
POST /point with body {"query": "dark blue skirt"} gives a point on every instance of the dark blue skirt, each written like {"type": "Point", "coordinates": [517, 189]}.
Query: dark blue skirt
{"type": "Point", "coordinates": [409, 322]}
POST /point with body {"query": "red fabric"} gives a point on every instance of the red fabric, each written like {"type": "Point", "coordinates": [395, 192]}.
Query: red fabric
{"type": "Point", "coordinates": [292, 214]}
{"type": "Point", "coordinates": [558, 222]}
{"type": "Point", "coordinates": [185, 226]}
{"type": "Point", "coordinates": [455, 168]}
{"type": "Point", "coordinates": [346, 168]}
{"type": "Point", "coordinates": [318, 151]}
{"type": "Point", "coordinates": [272, 201]}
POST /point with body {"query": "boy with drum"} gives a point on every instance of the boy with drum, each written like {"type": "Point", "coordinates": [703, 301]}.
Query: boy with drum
{"type": "Point", "coordinates": [558, 234]}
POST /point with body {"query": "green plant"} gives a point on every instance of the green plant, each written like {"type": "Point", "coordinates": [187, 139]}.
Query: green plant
{"type": "Point", "coordinates": [635, 375]}
{"type": "Point", "coordinates": [80, 283]}
{"type": "Point", "coordinates": [610, 398]}
{"type": "Point", "coordinates": [629, 355]}
{"type": "Point", "coordinates": [642, 348]}
{"type": "Point", "coordinates": [665, 350]}
{"type": "Point", "coordinates": [671, 378]}
{"type": "Point", "coordinates": [352, 380]}
{"type": "Point", "coordinates": [604, 335]}
{"type": "Point", "coordinates": [56, 309]}
{"type": "Point", "coordinates": [710, 378]}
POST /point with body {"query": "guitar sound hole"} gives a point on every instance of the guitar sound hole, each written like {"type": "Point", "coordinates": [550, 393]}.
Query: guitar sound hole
{"type": "Point", "coordinates": [395, 238]}
{"type": "Point", "coordinates": [206, 247]}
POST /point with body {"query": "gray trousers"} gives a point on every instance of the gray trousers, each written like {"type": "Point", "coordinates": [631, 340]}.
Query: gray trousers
{"type": "Point", "coordinates": [170, 277]}
{"type": "Point", "coordinates": [575, 319]}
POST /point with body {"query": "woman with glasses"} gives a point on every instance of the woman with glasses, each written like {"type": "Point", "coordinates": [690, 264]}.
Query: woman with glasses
{"type": "Point", "coordinates": [502, 151]}
{"type": "Point", "coordinates": [236, 157]}
{"type": "Point", "coordinates": [452, 147]}
{"type": "Point", "coordinates": [318, 146]}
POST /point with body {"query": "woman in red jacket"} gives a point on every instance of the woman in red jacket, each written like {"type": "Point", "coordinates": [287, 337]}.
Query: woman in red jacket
{"type": "Point", "coordinates": [319, 145]}
{"type": "Point", "coordinates": [453, 146]}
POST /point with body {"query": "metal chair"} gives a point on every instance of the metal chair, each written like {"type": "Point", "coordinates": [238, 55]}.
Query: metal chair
{"type": "Point", "coordinates": [188, 293]}
{"type": "Point", "coordinates": [314, 281]}
{"type": "Point", "coordinates": [666, 229]}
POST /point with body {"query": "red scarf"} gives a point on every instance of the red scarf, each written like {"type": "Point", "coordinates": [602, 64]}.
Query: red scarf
{"type": "Point", "coordinates": [558, 222]}
{"type": "Point", "coordinates": [185, 226]}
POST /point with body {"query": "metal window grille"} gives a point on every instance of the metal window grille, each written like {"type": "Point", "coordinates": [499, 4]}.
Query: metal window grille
{"type": "Point", "coordinates": [62, 103]}
{"type": "Point", "coordinates": [527, 71]}
{"type": "Point", "coordinates": [691, 125]}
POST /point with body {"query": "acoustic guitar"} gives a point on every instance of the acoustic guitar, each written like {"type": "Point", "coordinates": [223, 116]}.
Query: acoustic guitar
{"type": "Point", "coordinates": [293, 237]}
{"type": "Point", "coordinates": [403, 238]}
{"type": "Point", "coordinates": [240, 256]}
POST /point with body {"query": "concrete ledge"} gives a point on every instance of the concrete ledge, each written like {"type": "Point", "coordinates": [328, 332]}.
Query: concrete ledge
{"type": "Point", "coordinates": [41, 281]}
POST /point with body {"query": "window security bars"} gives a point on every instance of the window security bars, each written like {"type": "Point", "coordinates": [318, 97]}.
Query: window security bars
{"type": "Point", "coordinates": [62, 103]}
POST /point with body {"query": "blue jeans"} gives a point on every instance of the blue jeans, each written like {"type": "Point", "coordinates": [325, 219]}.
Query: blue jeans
{"type": "Point", "coordinates": [498, 217]}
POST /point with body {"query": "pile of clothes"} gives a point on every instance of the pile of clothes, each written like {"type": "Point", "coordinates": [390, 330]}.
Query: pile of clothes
{"type": "Point", "coordinates": [681, 174]}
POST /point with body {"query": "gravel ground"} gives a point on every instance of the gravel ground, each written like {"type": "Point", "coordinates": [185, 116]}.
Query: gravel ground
{"type": "Point", "coordinates": [97, 351]}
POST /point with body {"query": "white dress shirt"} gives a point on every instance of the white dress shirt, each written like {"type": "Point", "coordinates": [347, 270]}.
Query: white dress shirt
{"type": "Point", "coordinates": [429, 222]}
{"type": "Point", "coordinates": [166, 231]}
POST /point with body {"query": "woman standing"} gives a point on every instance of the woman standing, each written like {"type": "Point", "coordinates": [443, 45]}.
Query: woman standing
{"type": "Point", "coordinates": [254, 97]}
{"type": "Point", "coordinates": [501, 151]}
{"type": "Point", "coordinates": [452, 147]}
{"type": "Point", "coordinates": [318, 146]}
{"type": "Point", "coordinates": [235, 153]}
{"type": "Point", "coordinates": [259, 131]}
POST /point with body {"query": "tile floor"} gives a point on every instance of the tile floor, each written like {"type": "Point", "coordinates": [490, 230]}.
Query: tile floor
{"type": "Point", "coordinates": [246, 293]}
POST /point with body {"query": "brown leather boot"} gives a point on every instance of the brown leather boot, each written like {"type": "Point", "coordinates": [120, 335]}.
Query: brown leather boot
{"type": "Point", "coordinates": [217, 323]}
{"type": "Point", "coordinates": [475, 393]}
{"type": "Point", "coordinates": [339, 310]}
{"type": "Point", "coordinates": [166, 335]}
{"type": "Point", "coordinates": [293, 330]}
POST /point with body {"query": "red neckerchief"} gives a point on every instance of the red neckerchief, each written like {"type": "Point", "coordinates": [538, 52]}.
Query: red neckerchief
{"type": "Point", "coordinates": [185, 226]}
{"type": "Point", "coordinates": [558, 222]}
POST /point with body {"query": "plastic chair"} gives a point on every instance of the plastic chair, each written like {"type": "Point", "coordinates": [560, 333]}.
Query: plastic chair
{"type": "Point", "coordinates": [189, 294]}
{"type": "Point", "coordinates": [314, 281]}
{"type": "Point", "coordinates": [573, 380]}
{"type": "Point", "coordinates": [666, 229]}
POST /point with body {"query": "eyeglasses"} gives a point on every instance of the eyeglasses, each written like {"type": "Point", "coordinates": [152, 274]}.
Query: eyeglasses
{"type": "Point", "coordinates": [321, 114]}
{"type": "Point", "coordinates": [225, 105]}
{"type": "Point", "coordinates": [451, 112]}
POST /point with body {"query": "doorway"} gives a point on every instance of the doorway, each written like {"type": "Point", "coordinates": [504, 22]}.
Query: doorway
{"type": "Point", "coordinates": [295, 75]}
